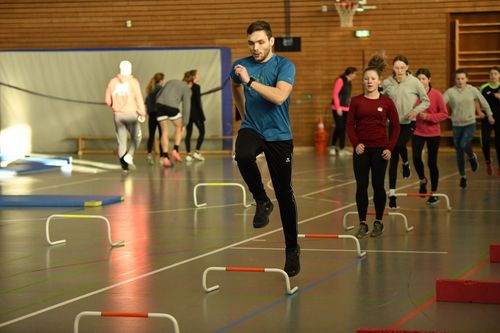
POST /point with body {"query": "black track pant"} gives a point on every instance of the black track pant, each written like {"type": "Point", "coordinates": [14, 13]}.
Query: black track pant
{"type": "Point", "coordinates": [406, 131]}
{"type": "Point", "coordinates": [152, 125]}
{"type": "Point", "coordinates": [339, 131]}
{"type": "Point", "coordinates": [418, 143]}
{"type": "Point", "coordinates": [486, 129]}
{"type": "Point", "coordinates": [200, 125]}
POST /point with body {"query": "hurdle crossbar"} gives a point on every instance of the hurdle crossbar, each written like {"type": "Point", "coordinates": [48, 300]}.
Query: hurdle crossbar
{"type": "Point", "coordinates": [403, 216]}
{"type": "Point", "coordinates": [356, 241]}
{"type": "Point", "coordinates": [424, 195]}
{"type": "Point", "coordinates": [247, 270]}
{"type": "Point", "coordinates": [76, 216]}
{"type": "Point", "coordinates": [195, 191]}
{"type": "Point", "coordinates": [124, 314]}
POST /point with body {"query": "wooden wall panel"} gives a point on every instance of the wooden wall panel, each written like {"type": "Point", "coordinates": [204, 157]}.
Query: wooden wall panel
{"type": "Point", "coordinates": [418, 29]}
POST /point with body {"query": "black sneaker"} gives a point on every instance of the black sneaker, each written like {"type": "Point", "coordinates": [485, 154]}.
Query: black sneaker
{"type": "Point", "coordinates": [262, 212]}
{"type": "Point", "coordinates": [433, 200]}
{"type": "Point", "coordinates": [362, 231]}
{"type": "Point", "coordinates": [406, 170]}
{"type": "Point", "coordinates": [473, 162]}
{"type": "Point", "coordinates": [392, 202]}
{"type": "Point", "coordinates": [423, 186]}
{"type": "Point", "coordinates": [123, 164]}
{"type": "Point", "coordinates": [463, 182]}
{"type": "Point", "coordinates": [292, 261]}
{"type": "Point", "coordinates": [378, 229]}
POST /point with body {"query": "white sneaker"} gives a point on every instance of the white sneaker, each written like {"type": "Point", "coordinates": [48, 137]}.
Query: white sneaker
{"type": "Point", "coordinates": [150, 159]}
{"type": "Point", "coordinates": [333, 152]}
{"type": "Point", "coordinates": [129, 160]}
{"type": "Point", "coordinates": [189, 158]}
{"type": "Point", "coordinates": [198, 156]}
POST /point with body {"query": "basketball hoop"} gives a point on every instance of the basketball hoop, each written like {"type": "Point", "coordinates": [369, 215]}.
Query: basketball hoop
{"type": "Point", "coordinates": [346, 10]}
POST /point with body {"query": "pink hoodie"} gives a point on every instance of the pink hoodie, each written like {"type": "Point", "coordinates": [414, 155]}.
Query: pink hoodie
{"type": "Point", "coordinates": [436, 113]}
{"type": "Point", "coordinates": [123, 94]}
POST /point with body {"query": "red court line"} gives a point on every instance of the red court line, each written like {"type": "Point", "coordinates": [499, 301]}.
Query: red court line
{"type": "Point", "coordinates": [410, 315]}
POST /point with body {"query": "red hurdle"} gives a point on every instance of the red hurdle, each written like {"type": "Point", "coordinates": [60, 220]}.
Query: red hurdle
{"type": "Point", "coordinates": [247, 270]}
{"type": "Point", "coordinates": [124, 314]}
{"type": "Point", "coordinates": [356, 241]}
{"type": "Point", "coordinates": [388, 330]}
{"type": "Point", "coordinates": [403, 216]}
{"type": "Point", "coordinates": [468, 291]}
{"type": "Point", "coordinates": [423, 195]}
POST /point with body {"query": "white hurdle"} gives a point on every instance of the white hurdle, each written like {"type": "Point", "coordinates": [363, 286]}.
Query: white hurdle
{"type": "Point", "coordinates": [76, 216]}
{"type": "Point", "coordinates": [356, 241]}
{"type": "Point", "coordinates": [248, 270]}
{"type": "Point", "coordinates": [218, 184]}
{"type": "Point", "coordinates": [403, 216]}
{"type": "Point", "coordinates": [423, 195]}
{"type": "Point", "coordinates": [124, 314]}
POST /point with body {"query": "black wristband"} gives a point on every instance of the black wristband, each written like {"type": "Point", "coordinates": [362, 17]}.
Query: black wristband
{"type": "Point", "coordinates": [249, 83]}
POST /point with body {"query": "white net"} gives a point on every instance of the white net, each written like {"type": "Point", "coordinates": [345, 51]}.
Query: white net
{"type": "Point", "coordinates": [346, 10]}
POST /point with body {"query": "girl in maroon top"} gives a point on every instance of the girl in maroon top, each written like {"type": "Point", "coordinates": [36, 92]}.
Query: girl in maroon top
{"type": "Point", "coordinates": [367, 131]}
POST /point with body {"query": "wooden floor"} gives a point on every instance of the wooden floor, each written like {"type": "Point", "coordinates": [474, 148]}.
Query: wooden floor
{"type": "Point", "coordinates": [169, 243]}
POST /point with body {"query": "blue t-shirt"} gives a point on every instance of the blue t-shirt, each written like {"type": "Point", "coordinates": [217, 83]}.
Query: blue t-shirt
{"type": "Point", "coordinates": [268, 119]}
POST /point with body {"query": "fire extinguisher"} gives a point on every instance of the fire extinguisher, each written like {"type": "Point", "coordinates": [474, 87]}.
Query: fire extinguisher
{"type": "Point", "coordinates": [321, 137]}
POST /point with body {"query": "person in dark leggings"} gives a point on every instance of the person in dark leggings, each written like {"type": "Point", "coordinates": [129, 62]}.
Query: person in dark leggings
{"type": "Point", "coordinates": [428, 131]}
{"type": "Point", "coordinates": [367, 130]}
{"type": "Point", "coordinates": [404, 89]}
{"type": "Point", "coordinates": [196, 117]}
{"type": "Point", "coordinates": [491, 92]}
{"type": "Point", "coordinates": [152, 89]}
{"type": "Point", "coordinates": [340, 106]}
{"type": "Point", "coordinates": [261, 85]}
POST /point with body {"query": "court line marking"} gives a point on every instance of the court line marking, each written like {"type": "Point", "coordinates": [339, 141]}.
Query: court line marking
{"type": "Point", "coordinates": [338, 250]}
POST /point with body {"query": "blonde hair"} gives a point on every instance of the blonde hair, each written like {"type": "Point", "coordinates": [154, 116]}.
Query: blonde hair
{"type": "Point", "coordinates": [190, 75]}
{"type": "Point", "coordinates": [153, 82]}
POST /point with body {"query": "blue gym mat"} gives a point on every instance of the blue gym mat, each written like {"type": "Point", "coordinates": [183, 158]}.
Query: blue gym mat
{"type": "Point", "coordinates": [32, 164]}
{"type": "Point", "coordinates": [47, 200]}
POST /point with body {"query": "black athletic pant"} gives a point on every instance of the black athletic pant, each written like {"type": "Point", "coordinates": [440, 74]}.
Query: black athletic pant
{"type": "Point", "coordinates": [152, 125]}
{"type": "Point", "coordinates": [200, 125]}
{"type": "Point", "coordinates": [279, 156]}
{"type": "Point", "coordinates": [339, 131]}
{"type": "Point", "coordinates": [372, 160]}
{"type": "Point", "coordinates": [486, 137]}
{"type": "Point", "coordinates": [418, 143]}
{"type": "Point", "coordinates": [406, 131]}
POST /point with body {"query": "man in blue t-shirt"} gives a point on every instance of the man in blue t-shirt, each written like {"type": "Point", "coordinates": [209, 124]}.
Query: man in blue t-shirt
{"type": "Point", "coordinates": [262, 84]}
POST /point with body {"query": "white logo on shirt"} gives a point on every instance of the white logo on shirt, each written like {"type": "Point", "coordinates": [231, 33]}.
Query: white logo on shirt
{"type": "Point", "coordinates": [288, 160]}
{"type": "Point", "coordinates": [379, 109]}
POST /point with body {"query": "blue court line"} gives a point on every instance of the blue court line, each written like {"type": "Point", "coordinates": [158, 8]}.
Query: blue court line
{"type": "Point", "coordinates": [286, 298]}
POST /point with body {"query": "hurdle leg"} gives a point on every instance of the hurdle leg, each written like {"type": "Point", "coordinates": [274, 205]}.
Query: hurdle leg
{"type": "Point", "coordinates": [344, 220]}
{"type": "Point", "coordinates": [195, 191]}
{"type": "Point", "coordinates": [405, 220]}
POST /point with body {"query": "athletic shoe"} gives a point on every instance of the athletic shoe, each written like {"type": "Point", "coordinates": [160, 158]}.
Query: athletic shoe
{"type": "Point", "coordinates": [406, 170]}
{"type": "Point", "coordinates": [333, 152]}
{"type": "Point", "coordinates": [189, 158]}
{"type": "Point", "coordinates": [166, 162]}
{"type": "Point", "coordinates": [473, 162]}
{"type": "Point", "coordinates": [345, 152]}
{"type": "Point", "coordinates": [262, 212]}
{"type": "Point", "coordinates": [198, 156]}
{"type": "Point", "coordinates": [463, 182]}
{"type": "Point", "coordinates": [292, 261]}
{"type": "Point", "coordinates": [341, 152]}
{"type": "Point", "coordinates": [129, 160]}
{"type": "Point", "coordinates": [423, 186]}
{"type": "Point", "coordinates": [489, 169]}
{"type": "Point", "coordinates": [362, 231]}
{"type": "Point", "coordinates": [392, 202]}
{"type": "Point", "coordinates": [123, 164]}
{"type": "Point", "coordinates": [378, 229]}
{"type": "Point", "coordinates": [433, 200]}
{"type": "Point", "coordinates": [176, 156]}
{"type": "Point", "coordinates": [150, 159]}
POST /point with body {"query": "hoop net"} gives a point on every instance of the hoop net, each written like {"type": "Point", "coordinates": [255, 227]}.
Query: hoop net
{"type": "Point", "coordinates": [346, 10]}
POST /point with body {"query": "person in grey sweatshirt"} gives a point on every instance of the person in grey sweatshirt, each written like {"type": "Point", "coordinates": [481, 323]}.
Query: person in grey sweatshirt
{"type": "Point", "coordinates": [405, 90]}
{"type": "Point", "coordinates": [462, 98]}
{"type": "Point", "coordinates": [168, 100]}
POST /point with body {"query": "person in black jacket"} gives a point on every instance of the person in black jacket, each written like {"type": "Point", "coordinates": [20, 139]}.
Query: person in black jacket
{"type": "Point", "coordinates": [196, 117]}
{"type": "Point", "coordinates": [154, 85]}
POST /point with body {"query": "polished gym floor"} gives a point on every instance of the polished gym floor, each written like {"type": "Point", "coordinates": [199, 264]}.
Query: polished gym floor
{"type": "Point", "coordinates": [169, 243]}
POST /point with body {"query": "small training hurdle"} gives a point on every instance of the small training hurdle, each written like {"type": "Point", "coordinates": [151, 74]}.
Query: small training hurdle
{"type": "Point", "coordinates": [403, 216]}
{"type": "Point", "coordinates": [388, 330]}
{"type": "Point", "coordinates": [124, 314]}
{"type": "Point", "coordinates": [468, 291]}
{"type": "Point", "coordinates": [356, 241]}
{"type": "Point", "coordinates": [218, 184]}
{"type": "Point", "coordinates": [423, 195]}
{"type": "Point", "coordinates": [247, 270]}
{"type": "Point", "coordinates": [75, 216]}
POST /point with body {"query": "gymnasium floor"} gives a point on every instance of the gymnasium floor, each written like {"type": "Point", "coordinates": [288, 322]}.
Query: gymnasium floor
{"type": "Point", "coordinates": [169, 243]}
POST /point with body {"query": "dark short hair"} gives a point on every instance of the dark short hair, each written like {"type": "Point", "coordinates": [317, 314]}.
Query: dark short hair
{"type": "Point", "coordinates": [260, 26]}
{"type": "Point", "coordinates": [424, 71]}
{"type": "Point", "coordinates": [401, 58]}
{"type": "Point", "coordinates": [350, 70]}
{"type": "Point", "coordinates": [460, 71]}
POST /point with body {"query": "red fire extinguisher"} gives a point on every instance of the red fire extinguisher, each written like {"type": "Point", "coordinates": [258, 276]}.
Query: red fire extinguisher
{"type": "Point", "coordinates": [321, 137]}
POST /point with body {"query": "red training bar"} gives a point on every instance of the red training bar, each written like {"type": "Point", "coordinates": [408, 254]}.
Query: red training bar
{"type": "Point", "coordinates": [372, 212]}
{"type": "Point", "coordinates": [321, 236]}
{"type": "Point", "coordinates": [419, 195]}
{"type": "Point", "coordinates": [383, 330]}
{"type": "Point", "coordinates": [245, 269]}
{"type": "Point", "coordinates": [125, 314]}
{"type": "Point", "coordinates": [494, 252]}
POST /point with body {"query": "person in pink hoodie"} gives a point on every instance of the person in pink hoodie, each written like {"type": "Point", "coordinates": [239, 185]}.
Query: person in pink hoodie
{"type": "Point", "coordinates": [124, 96]}
{"type": "Point", "coordinates": [428, 131]}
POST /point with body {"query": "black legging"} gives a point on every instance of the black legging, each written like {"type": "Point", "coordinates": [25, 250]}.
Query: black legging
{"type": "Point", "coordinates": [279, 156]}
{"type": "Point", "coordinates": [200, 125]}
{"type": "Point", "coordinates": [339, 131]}
{"type": "Point", "coordinates": [418, 143]}
{"type": "Point", "coordinates": [406, 131]}
{"type": "Point", "coordinates": [152, 125]}
{"type": "Point", "coordinates": [486, 129]}
{"type": "Point", "coordinates": [372, 160]}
